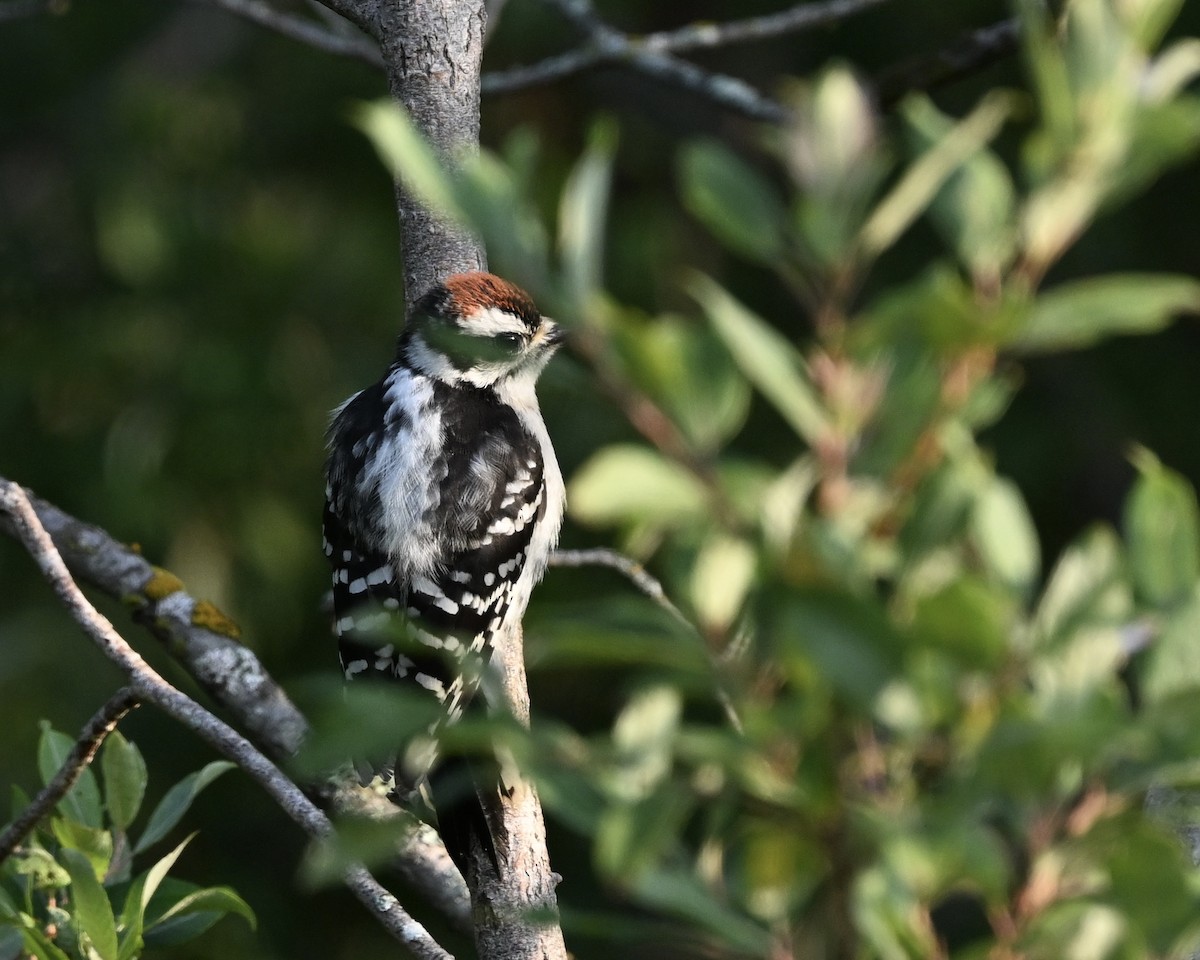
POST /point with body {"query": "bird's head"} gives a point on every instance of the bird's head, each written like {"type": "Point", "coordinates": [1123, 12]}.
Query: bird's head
{"type": "Point", "coordinates": [478, 329]}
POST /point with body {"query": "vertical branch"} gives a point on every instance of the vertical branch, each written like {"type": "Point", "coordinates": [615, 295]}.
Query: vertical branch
{"type": "Point", "coordinates": [433, 53]}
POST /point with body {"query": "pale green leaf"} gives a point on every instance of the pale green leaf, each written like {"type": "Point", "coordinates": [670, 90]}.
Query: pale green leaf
{"type": "Point", "coordinates": [1081, 313]}
{"type": "Point", "coordinates": [1172, 664]}
{"type": "Point", "coordinates": [920, 183]}
{"type": "Point", "coordinates": [975, 208]}
{"type": "Point", "coordinates": [407, 154]}
{"type": "Point", "coordinates": [643, 736]}
{"type": "Point", "coordinates": [95, 843]}
{"type": "Point", "coordinates": [685, 368]}
{"type": "Point", "coordinates": [766, 358]}
{"type": "Point", "coordinates": [1087, 587]}
{"type": "Point", "coordinates": [1004, 535]}
{"type": "Point", "coordinates": [581, 215]}
{"type": "Point", "coordinates": [721, 579]}
{"type": "Point", "coordinates": [625, 484]}
{"type": "Point", "coordinates": [124, 772]}
{"type": "Point", "coordinates": [1162, 526]}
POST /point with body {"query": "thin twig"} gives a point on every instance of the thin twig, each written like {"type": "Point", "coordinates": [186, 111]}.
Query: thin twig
{"type": "Point", "coordinates": [605, 45]}
{"type": "Point", "coordinates": [147, 685]}
{"type": "Point", "coordinates": [652, 53]}
{"type": "Point", "coordinates": [647, 584]}
{"type": "Point", "coordinates": [303, 29]}
{"type": "Point", "coordinates": [102, 723]}
{"type": "Point", "coordinates": [801, 17]}
{"type": "Point", "coordinates": [969, 53]}
{"type": "Point", "coordinates": [627, 567]}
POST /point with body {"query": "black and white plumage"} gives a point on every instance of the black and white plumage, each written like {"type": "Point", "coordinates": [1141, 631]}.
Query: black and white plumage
{"type": "Point", "coordinates": [443, 497]}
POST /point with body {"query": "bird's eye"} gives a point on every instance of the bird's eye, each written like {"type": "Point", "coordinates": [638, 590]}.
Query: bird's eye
{"type": "Point", "coordinates": [510, 341]}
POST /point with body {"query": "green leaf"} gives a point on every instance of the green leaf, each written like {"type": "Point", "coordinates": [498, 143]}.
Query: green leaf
{"type": "Point", "coordinates": [1004, 535]}
{"type": "Point", "coordinates": [722, 577]}
{"type": "Point", "coordinates": [1172, 664]}
{"type": "Point", "coordinates": [1162, 525]}
{"type": "Point", "coordinates": [124, 772]}
{"type": "Point", "coordinates": [686, 369]}
{"type": "Point", "coordinates": [82, 802]}
{"type": "Point", "coordinates": [178, 799]}
{"type": "Point", "coordinates": [91, 912]}
{"type": "Point", "coordinates": [765, 357]}
{"type": "Point", "coordinates": [643, 737]}
{"type": "Point", "coordinates": [137, 898]}
{"type": "Point", "coordinates": [194, 913]}
{"type": "Point", "coordinates": [1087, 587]}
{"type": "Point", "coordinates": [967, 618]}
{"type": "Point", "coordinates": [680, 892]}
{"type": "Point", "coordinates": [1084, 312]}
{"type": "Point", "coordinates": [975, 209]}
{"type": "Point", "coordinates": [95, 843]}
{"type": "Point", "coordinates": [733, 200]}
{"type": "Point", "coordinates": [37, 943]}
{"type": "Point", "coordinates": [43, 871]}
{"type": "Point", "coordinates": [407, 154]}
{"type": "Point", "coordinates": [581, 215]}
{"type": "Point", "coordinates": [920, 183]}
{"type": "Point", "coordinates": [625, 484]}
{"type": "Point", "coordinates": [849, 640]}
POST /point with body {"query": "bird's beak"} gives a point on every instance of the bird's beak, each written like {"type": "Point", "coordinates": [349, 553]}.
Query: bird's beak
{"type": "Point", "coordinates": [550, 333]}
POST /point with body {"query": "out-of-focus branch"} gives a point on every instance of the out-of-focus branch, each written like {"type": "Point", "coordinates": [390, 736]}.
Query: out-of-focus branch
{"type": "Point", "coordinates": [102, 723]}
{"type": "Point", "coordinates": [148, 686]}
{"type": "Point", "coordinates": [204, 642]}
{"type": "Point", "coordinates": [968, 54]}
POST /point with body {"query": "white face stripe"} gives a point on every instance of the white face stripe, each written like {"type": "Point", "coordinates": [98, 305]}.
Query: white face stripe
{"type": "Point", "coordinates": [491, 321]}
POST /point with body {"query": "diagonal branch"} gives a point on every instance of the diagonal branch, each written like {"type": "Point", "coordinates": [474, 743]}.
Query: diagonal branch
{"type": "Point", "coordinates": [797, 19]}
{"type": "Point", "coordinates": [148, 686]}
{"type": "Point", "coordinates": [328, 38]}
{"type": "Point", "coordinates": [607, 45]}
{"type": "Point", "coordinates": [196, 633]}
{"type": "Point", "coordinates": [967, 54]}
{"type": "Point", "coordinates": [102, 723]}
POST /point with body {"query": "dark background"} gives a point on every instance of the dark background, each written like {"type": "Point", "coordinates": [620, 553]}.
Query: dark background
{"type": "Point", "coordinates": [199, 258]}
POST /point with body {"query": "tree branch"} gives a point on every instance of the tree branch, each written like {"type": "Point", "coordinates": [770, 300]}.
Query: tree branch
{"type": "Point", "coordinates": [972, 51]}
{"type": "Point", "coordinates": [196, 633]}
{"type": "Point", "coordinates": [102, 723]}
{"type": "Point", "coordinates": [627, 567]}
{"type": "Point", "coordinates": [326, 38]}
{"type": "Point", "coordinates": [608, 45]}
{"type": "Point", "coordinates": [148, 686]}
{"type": "Point", "coordinates": [797, 19]}
{"type": "Point", "coordinates": [204, 642]}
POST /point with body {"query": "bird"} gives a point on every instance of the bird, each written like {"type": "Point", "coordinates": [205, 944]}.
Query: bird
{"type": "Point", "coordinates": [443, 502]}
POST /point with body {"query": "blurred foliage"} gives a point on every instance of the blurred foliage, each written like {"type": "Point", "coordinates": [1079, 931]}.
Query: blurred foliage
{"type": "Point", "coordinates": [872, 427]}
{"type": "Point", "coordinates": [69, 891]}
